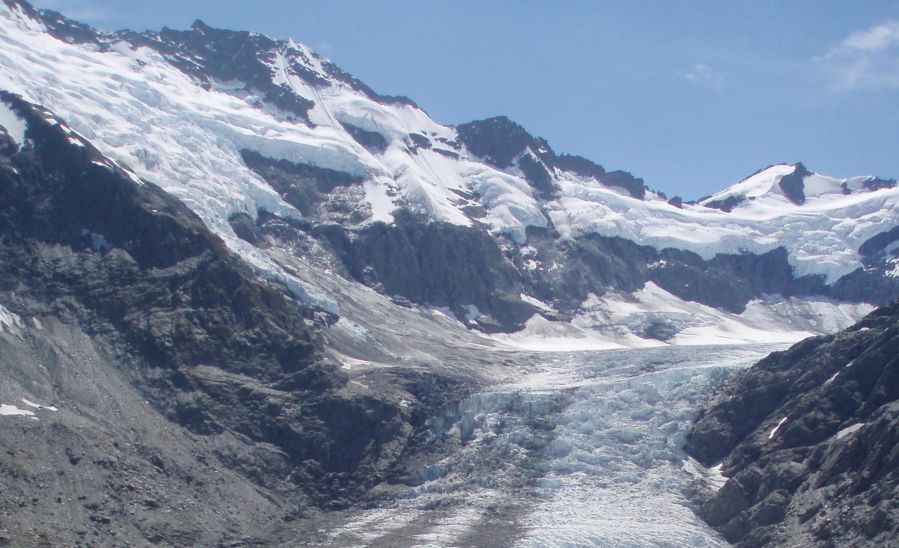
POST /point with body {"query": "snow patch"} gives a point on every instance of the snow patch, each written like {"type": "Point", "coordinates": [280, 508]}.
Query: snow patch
{"type": "Point", "coordinates": [8, 410]}
{"type": "Point", "coordinates": [471, 312]}
{"type": "Point", "coordinates": [14, 125]}
{"type": "Point", "coordinates": [776, 428]}
{"type": "Point", "coordinates": [536, 303]}
{"type": "Point", "coordinates": [711, 475]}
{"type": "Point", "coordinates": [894, 271]}
{"type": "Point", "coordinates": [10, 322]}
{"type": "Point", "coordinates": [353, 329]}
{"type": "Point", "coordinates": [39, 406]}
{"type": "Point", "coordinates": [761, 184]}
{"type": "Point", "coordinates": [849, 430]}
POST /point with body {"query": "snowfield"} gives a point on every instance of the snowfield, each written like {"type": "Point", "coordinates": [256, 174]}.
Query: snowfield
{"type": "Point", "coordinates": [165, 126]}
{"type": "Point", "coordinates": [622, 320]}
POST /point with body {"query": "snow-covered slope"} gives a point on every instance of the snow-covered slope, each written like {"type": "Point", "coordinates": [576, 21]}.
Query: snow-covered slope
{"type": "Point", "coordinates": [821, 235]}
{"type": "Point", "coordinates": [182, 109]}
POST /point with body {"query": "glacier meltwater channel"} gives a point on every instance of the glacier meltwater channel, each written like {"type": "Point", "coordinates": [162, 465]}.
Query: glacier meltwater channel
{"type": "Point", "coordinates": [584, 449]}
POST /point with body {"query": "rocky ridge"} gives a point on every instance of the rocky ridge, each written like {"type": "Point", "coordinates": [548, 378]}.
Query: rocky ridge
{"type": "Point", "coordinates": [178, 378]}
{"type": "Point", "coordinates": [809, 439]}
{"type": "Point", "coordinates": [277, 147]}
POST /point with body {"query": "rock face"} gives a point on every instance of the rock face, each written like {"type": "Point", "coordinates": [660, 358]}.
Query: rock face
{"type": "Point", "coordinates": [503, 143]}
{"type": "Point", "coordinates": [181, 380]}
{"type": "Point", "coordinates": [809, 438]}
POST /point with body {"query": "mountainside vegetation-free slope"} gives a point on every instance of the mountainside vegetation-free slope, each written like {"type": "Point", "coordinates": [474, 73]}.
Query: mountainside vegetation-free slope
{"type": "Point", "coordinates": [809, 438]}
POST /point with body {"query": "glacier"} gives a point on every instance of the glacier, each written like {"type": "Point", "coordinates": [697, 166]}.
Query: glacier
{"type": "Point", "coordinates": [575, 449]}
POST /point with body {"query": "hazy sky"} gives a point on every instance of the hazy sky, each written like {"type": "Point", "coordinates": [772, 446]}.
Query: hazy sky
{"type": "Point", "coordinates": [691, 96]}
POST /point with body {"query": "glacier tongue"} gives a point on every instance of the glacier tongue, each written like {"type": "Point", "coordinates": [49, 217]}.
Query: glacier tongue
{"type": "Point", "coordinates": [583, 449]}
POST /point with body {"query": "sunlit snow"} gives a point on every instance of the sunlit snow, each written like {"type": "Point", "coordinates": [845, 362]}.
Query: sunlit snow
{"type": "Point", "coordinates": [849, 430]}
{"type": "Point", "coordinates": [14, 126]}
{"type": "Point", "coordinates": [776, 428]}
{"type": "Point", "coordinates": [150, 117]}
{"type": "Point", "coordinates": [623, 320]}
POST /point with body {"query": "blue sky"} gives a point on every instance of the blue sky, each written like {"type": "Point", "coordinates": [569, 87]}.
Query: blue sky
{"type": "Point", "coordinates": [691, 96]}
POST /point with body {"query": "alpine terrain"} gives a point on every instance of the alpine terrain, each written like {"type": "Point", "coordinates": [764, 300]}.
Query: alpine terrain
{"type": "Point", "coordinates": [247, 300]}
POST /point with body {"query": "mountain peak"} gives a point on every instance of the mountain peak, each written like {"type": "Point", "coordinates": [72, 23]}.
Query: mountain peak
{"type": "Point", "coordinates": [211, 95]}
{"type": "Point", "coordinates": [790, 184]}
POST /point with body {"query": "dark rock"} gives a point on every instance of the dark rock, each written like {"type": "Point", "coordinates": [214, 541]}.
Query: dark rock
{"type": "Point", "coordinates": [439, 264]}
{"type": "Point", "coordinates": [875, 246]}
{"type": "Point", "coordinates": [869, 284]}
{"type": "Point", "coordinates": [623, 179]}
{"type": "Point", "coordinates": [877, 183]}
{"type": "Point", "coordinates": [793, 184]}
{"type": "Point", "coordinates": [225, 372]}
{"type": "Point", "coordinates": [815, 480]}
{"type": "Point", "coordinates": [419, 141]}
{"type": "Point", "coordinates": [372, 140]}
{"type": "Point", "coordinates": [537, 175]}
{"type": "Point", "coordinates": [245, 228]}
{"type": "Point", "coordinates": [726, 205]}
{"type": "Point", "coordinates": [499, 140]}
{"type": "Point", "coordinates": [317, 192]}
{"type": "Point", "coordinates": [211, 54]}
{"type": "Point", "coordinates": [579, 165]}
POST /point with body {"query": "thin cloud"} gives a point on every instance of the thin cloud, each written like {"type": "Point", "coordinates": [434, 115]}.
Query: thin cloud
{"type": "Point", "coordinates": [866, 59]}
{"type": "Point", "coordinates": [703, 74]}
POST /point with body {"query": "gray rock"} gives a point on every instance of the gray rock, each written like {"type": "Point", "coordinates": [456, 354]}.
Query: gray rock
{"type": "Point", "coordinates": [829, 473]}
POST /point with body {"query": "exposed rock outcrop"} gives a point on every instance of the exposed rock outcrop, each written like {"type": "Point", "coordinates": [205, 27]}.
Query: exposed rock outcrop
{"type": "Point", "coordinates": [810, 441]}
{"type": "Point", "coordinates": [185, 385]}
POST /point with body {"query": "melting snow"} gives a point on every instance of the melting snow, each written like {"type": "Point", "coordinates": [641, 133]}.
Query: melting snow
{"type": "Point", "coordinates": [10, 410]}
{"type": "Point", "coordinates": [536, 303]}
{"type": "Point", "coordinates": [894, 273]}
{"type": "Point", "coordinates": [712, 475]}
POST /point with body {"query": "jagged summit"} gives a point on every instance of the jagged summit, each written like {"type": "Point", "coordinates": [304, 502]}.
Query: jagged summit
{"type": "Point", "coordinates": [791, 183]}
{"type": "Point", "coordinates": [248, 130]}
